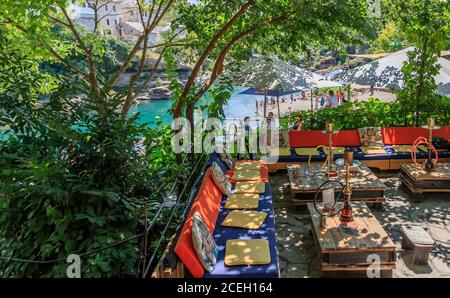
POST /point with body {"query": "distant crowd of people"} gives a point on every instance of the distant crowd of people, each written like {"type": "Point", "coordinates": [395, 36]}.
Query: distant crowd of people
{"type": "Point", "coordinates": [327, 100]}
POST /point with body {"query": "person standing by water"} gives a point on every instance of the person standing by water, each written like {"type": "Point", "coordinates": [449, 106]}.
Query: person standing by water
{"type": "Point", "coordinates": [304, 95]}
{"type": "Point", "coordinates": [322, 101]}
{"type": "Point", "coordinates": [333, 101]}
{"type": "Point", "coordinates": [248, 131]}
{"type": "Point", "coordinates": [270, 124]}
{"type": "Point", "coordinates": [299, 124]}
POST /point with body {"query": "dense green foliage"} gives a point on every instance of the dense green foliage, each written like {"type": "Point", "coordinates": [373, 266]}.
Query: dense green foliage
{"type": "Point", "coordinates": [426, 25]}
{"type": "Point", "coordinates": [355, 115]}
{"type": "Point", "coordinates": [71, 177]}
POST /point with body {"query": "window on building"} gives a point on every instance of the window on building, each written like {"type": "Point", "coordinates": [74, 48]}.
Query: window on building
{"type": "Point", "coordinates": [107, 22]}
{"type": "Point", "coordinates": [106, 7]}
{"type": "Point", "coordinates": [114, 8]}
{"type": "Point", "coordinates": [115, 22]}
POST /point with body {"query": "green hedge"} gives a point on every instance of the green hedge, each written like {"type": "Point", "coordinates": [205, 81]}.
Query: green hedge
{"type": "Point", "coordinates": [352, 116]}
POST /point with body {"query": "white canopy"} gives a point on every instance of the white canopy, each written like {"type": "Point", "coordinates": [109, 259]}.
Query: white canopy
{"type": "Point", "coordinates": [386, 72]}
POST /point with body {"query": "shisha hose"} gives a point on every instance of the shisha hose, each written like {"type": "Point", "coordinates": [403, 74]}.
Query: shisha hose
{"type": "Point", "coordinates": [319, 190]}
{"type": "Point", "coordinates": [429, 144]}
{"type": "Point", "coordinates": [326, 160]}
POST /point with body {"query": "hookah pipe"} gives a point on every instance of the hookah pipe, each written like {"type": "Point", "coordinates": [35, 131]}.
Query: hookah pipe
{"type": "Point", "coordinates": [429, 164]}
{"type": "Point", "coordinates": [346, 212]}
{"type": "Point", "coordinates": [331, 171]}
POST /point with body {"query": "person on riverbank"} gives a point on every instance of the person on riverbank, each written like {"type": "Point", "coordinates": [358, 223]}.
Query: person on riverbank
{"type": "Point", "coordinates": [322, 101]}
{"type": "Point", "coordinates": [299, 124]}
{"type": "Point", "coordinates": [248, 131]}
{"type": "Point", "coordinates": [332, 101]}
{"type": "Point", "coordinates": [304, 95]}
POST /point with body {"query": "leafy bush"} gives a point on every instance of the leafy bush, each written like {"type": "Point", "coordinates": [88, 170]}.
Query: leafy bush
{"type": "Point", "coordinates": [71, 177]}
{"type": "Point", "coordinates": [371, 113]}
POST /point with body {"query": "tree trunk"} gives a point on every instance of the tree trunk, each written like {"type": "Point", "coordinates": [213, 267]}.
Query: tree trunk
{"type": "Point", "coordinates": [419, 90]}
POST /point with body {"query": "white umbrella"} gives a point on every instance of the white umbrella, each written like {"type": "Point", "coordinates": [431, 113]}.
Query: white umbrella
{"type": "Point", "coordinates": [273, 74]}
{"type": "Point", "coordinates": [386, 72]}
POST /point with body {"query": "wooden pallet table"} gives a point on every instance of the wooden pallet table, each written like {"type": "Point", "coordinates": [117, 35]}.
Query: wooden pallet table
{"type": "Point", "coordinates": [365, 184]}
{"type": "Point", "coordinates": [342, 254]}
{"type": "Point", "coordinates": [418, 181]}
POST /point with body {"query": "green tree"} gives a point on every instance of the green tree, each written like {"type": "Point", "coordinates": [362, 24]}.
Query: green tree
{"type": "Point", "coordinates": [426, 25]}
{"type": "Point", "coordinates": [389, 39]}
{"type": "Point", "coordinates": [225, 33]}
{"type": "Point", "coordinates": [71, 177]}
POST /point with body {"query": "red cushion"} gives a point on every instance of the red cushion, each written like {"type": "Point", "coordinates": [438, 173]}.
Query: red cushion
{"type": "Point", "coordinates": [443, 132]}
{"type": "Point", "coordinates": [314, 138]}
{"type": "Point", "coordinates": [307, 138]}
{"type": "Point", "coordinates": [402, 135]}
{"type": "Point", "coordinates": [347, 138]}
{"type": "Point", "coordinates": [264, 175]}
{"type": "Point", "coordinates": [207, 204]}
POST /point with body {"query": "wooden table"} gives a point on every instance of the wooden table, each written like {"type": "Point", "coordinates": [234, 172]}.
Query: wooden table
{"type": "Point", "coordinates": [365, 184]}
{"type": "Point", "coordinates": [342, 253]}
{"type": "Point", "coordinates": [418, 181]}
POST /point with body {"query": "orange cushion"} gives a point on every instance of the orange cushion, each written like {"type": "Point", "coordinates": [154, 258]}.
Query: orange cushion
{"type": "Point", "coordinates": [443, 132]}
{"type": "Point", "coordinates": [402, 135]}
{"type": "Point", "coordinates": [264, 175]}
{"type": "Point", "coordinates": [307, 138]}
{"type": "Point", "coordinates": [207, 204]}
{"type": "Point", "coordinates": [347, 138]}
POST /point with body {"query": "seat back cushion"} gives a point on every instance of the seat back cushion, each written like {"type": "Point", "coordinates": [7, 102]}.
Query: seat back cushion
{"type": "Point", "coordinates": [347, 138]}
{"type": "Point", "coordinates": [371, 136]}
{"type": "Point", "coordinates": [307, 138]}
{"type": "Point", "coordinates": [402, 135]}
{"type": "Point", "coordinates": [314, 138]}
{"type": "Point", "coordinates": [207, 204]}
{"type": "Point", "coordinates": [443, 132]}
{"type": "Point", "coordinates": [220, 178]}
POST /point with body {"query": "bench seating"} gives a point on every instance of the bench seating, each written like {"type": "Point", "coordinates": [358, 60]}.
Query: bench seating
{"type": "Point", "coordinates": [210, 202]}
{"type": "Point", "coordinates": [267, 232]}
{"type": "Point", "coordinates": [350, 140]}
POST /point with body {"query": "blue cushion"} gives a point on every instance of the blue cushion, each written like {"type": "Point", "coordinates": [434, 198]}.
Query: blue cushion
{"type": "Point", "coordinates": [444, 154]}
{"type": "Point", "coordinates": [359, 155]}
{"type": "Point", "coordinates": [301, 158]}
{"type": "Point", "coordinates": [404, 155]}
{"type": "Point", "coordinates": [267, 231]}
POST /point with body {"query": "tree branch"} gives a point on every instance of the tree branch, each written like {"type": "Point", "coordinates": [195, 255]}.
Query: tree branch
{"type": "Point", "coordinates": [88, 51]}
{"type": "Point", "coordinates": [204, 56]}
{"type": "Point", "coordinates": [112, 81]}
{"type": "Point", "coordinates": [218, 66]}
{"type": "Point", "coordinates": [39, 38]}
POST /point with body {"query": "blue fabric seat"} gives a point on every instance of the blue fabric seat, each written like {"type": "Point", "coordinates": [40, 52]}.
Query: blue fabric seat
{"type": "Point", "coordinates": [403, 155]}
{"type": "Point", "coordinates": [222, 234]}
{"type": "Point", "coordinates": [294, 157]}
{"type": "Point", "coordinates": [359, 155]}
{"type": "Point", "coordinates": [267, 231]}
